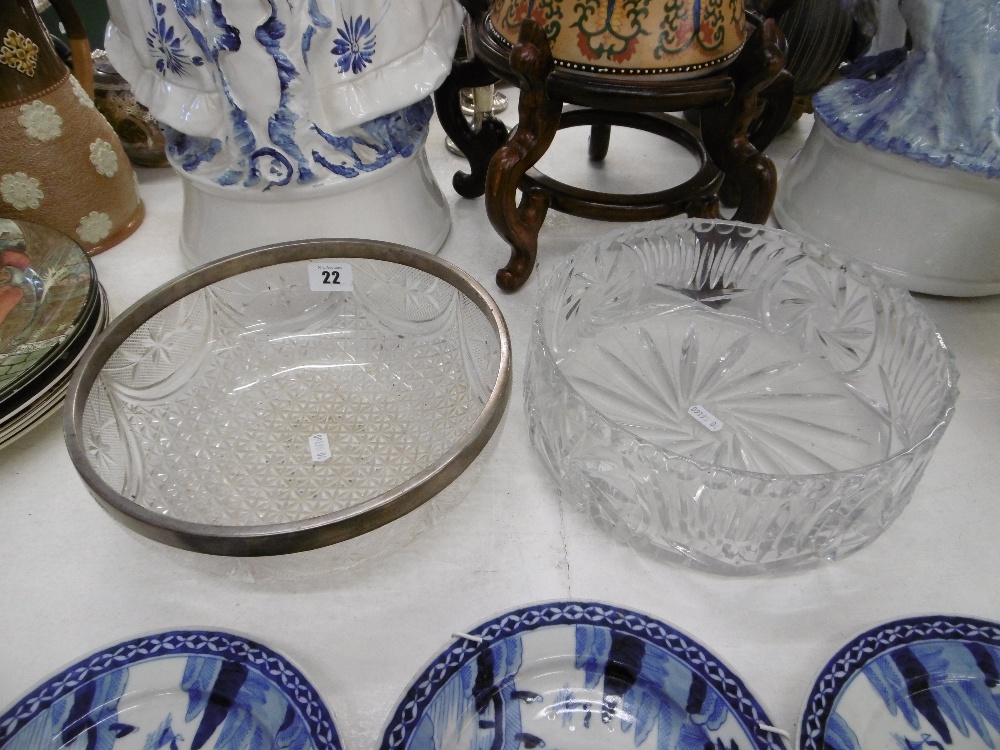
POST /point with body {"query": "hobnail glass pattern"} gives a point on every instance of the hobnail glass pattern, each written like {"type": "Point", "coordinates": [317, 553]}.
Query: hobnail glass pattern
{"type": "Point", "coordinates": [732, 397]}
{"type": "Point", "coordinates": [205, 413]}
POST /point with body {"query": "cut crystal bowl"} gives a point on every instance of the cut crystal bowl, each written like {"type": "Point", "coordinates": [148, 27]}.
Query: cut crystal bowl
{"type": "Point", "coordinates": [290, 397]}
{"type": "Point", "coordinates": [732, 397]}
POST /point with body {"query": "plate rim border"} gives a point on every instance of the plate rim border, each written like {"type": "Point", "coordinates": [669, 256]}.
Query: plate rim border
{"type": "Point", "coordinates": [460, 651]}
{"type": "Point", "coordinates": [178, 642]}
{"type": "Point", "coordinates": [854, 655]}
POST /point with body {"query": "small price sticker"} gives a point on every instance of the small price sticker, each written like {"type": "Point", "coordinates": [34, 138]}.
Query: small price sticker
{"type": "Point", "coordinates": [330, 277]}
{"type": "Point", "coordinates": [706, 418]}
{"type": "Point", "coordinates": [319, 446]}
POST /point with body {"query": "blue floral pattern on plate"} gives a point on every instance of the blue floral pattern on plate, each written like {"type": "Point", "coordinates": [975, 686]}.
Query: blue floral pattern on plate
{"type": "Point", "coordinates": [577, 675]}
{"type": "Point", "coordinates": [182, 690]}
{"type": "Point", "coordinates": [922, 682]}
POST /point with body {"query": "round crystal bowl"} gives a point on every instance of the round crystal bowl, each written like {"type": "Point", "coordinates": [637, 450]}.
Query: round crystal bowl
{"type": "Point", "coordinates": [732, 397]}
{"type": "Point", "coordinates": [289, 397]}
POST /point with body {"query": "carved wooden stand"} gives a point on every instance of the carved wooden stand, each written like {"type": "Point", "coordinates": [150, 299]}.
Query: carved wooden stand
{"type": "Point", "coordinates": [741, 110]}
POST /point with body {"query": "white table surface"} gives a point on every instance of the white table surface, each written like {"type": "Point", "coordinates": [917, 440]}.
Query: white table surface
{"type": "Point", "coordinates": [72, 580]}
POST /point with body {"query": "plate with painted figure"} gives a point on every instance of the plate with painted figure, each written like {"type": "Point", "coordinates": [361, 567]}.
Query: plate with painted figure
{"type": "Point", "coordinates": [47, 289]}
{"type": "Point", "coordinates": [922, 683]}
{"type": "Point", "coordinates": [577, 676]}
{"type": "Point", "coordinates": [179, 690]}
{"type": "Point", "coordinates": [43, 395]}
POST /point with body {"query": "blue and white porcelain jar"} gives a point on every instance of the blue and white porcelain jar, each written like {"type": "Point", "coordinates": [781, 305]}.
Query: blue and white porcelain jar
{"type": "Point", "coordinates": [904, 171]}
{"type": "Point", "coordinates": [317, 109]}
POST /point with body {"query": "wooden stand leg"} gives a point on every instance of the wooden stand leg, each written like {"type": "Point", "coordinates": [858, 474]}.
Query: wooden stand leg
{"type": "Point", "coordinates": [750, 175]}
{"type": "Point", "coordinates": [704, 208]}
{"type": "Point", "coordinates": [538, 121]}
{"type": "Point", "coordinates": [477, 146]}
{"type": "Point", "coordinates": [600, 139]}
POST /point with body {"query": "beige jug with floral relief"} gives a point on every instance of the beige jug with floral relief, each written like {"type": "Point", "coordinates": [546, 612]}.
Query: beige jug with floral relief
{"type": "Point", "coordinates": [61, 164]}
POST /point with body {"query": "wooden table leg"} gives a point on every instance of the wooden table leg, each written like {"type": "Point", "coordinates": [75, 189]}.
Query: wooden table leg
{"type": "Point", "coordinates": [750, 175]}
{"type": "Point", "coordinates": [538, 121]}
{"type": "Point", "coordinates": [478, 146]}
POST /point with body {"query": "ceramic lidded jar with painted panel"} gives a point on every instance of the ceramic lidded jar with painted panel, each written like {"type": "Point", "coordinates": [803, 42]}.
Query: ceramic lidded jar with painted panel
{"type": "Point", "coordinates": [679, 38]}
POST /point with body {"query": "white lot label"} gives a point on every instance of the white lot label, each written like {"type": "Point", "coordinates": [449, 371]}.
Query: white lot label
{"type": "Point", "coordinates": [706, 418]}
{"type": "Point", "coordinates": [330, 277]}
{"type": "Point", "coordinates": [319, 446]}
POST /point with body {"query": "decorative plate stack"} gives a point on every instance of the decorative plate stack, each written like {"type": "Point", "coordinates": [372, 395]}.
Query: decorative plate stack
{"type": "Point", "coordinates": [51, 307]}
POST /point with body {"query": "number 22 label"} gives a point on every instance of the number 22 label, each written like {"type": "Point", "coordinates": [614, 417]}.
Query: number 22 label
{"type": "Point", "coordinates": [330, 277]}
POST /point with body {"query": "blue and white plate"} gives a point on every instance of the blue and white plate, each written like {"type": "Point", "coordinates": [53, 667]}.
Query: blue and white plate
{"type": "Point", "coordinates": [577, 676]}
{"type": "Point", "coordinates": [927, 683]}
{"type": "Point", "coordinates": [181, 690]}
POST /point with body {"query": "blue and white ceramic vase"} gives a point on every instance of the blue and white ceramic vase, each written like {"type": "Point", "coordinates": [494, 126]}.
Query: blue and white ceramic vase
{"type": "Point", "coordinates": [293, 119]}
{"type": "Point", "coordinates": [904, 171]}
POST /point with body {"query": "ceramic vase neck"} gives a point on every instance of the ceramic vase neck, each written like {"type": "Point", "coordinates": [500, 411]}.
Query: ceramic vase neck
{"type": "Point", "coordinates": [29, 65]}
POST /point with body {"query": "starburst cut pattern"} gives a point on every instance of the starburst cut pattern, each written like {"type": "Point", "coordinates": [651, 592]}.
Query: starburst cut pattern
{"type": "Point", "coordinates": [803, 443]}
{"type": "Point", "coordinates": [828, 312]}
{"type": "Point", "coordinates": [777, 414]}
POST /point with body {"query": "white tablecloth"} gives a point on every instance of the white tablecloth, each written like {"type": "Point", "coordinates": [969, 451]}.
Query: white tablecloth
{"type": "Point", "coordinates": [72, 580]}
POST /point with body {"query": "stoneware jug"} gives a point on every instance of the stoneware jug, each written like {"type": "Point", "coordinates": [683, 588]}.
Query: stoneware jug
{"type": "Point", "coordinates": [61, 164]}
{"type": "Point", "coordinates": [679, 38]}
{"type": "Point", "coordinates": [293, 119]}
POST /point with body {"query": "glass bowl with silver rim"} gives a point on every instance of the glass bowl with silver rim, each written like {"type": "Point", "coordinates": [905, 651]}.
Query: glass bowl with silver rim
{"type": "Point", "coordinates": [732, 397]}
{"type": "Point", "coordinates": [290, 398]}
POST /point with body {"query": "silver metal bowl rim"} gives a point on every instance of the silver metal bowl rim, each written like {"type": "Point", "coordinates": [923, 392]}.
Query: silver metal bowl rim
{"type": "Point", "coordinates": [814, 250]}
{"type": "Point", "coordinates": [318, 531]}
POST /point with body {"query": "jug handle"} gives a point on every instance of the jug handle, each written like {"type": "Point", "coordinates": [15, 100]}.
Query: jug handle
{"type": "Point", "coordinates": [79, 45]}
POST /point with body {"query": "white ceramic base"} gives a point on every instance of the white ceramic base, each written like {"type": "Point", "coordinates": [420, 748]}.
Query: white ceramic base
{"type": "Point", "coordinates": [932, 230]}
{"type": "Point", "coordinates": [399, 203]}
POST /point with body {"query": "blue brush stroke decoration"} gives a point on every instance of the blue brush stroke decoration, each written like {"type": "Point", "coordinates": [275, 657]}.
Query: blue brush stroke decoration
{"type": "Point", "coordinates": [190, 152]}
{"type": "Point", "coordinates": [290, 149]}
{"type": "Point", "coordinates": [936, 675]}
{"type": "Point", "coordinates": [281, 126]}
{"type": "Point", "coordinates": [620, 671]}
{"type": "Point", "coordinates": [240, 696]}
{"type": "Point", "coordinates": [164, 736]}
{"type": "Point", "coordinates": [94, 711]}
{"type": "Point", "coordinates": [167, 47]}
{"type": "Point", "coordinates": [221, 700]}
{"type": "Point", "coordinates": [379, 142]}
{"type": "Point", "coordinates": [318, 21]}
{"type": "Point", "coordinates": [941, 105]}
{"type": "Point", "coordinates": [224, 38]}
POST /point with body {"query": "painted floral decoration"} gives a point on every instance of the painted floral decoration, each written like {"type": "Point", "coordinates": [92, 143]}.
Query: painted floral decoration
{"type": "Point", "coordinates": [94, 227]}
{"type": "Point", "coordinates": [19, 52]}
{"type": "Point", "coordinates": [40, 121]}
{"type": "Point", "coordinates": [168, 47]}
{"type": "Point", "coordinates": [103, 156]}
{"type": "Point", "coordinates": [356, 45]}
{"type": "Point", "coordinates": [80, 94]}
{"type": "Point", "coordinates": [20, 191]}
